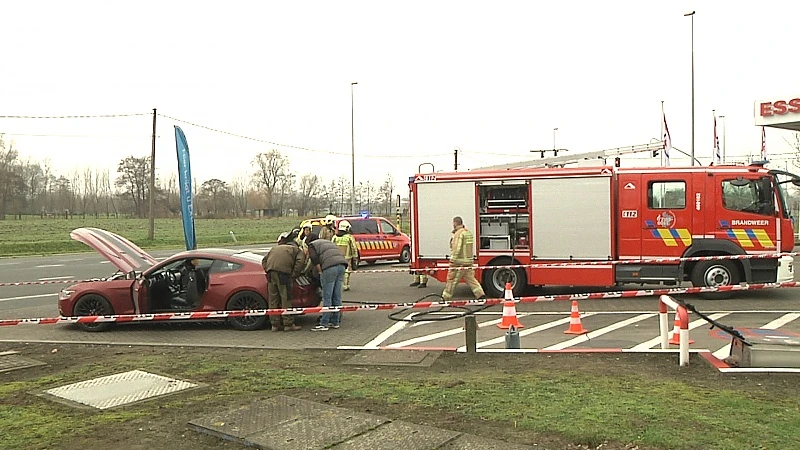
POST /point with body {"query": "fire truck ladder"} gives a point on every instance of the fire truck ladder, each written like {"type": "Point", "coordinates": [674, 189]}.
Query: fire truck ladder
{"type": "Point", "coordinates": [561, 161]}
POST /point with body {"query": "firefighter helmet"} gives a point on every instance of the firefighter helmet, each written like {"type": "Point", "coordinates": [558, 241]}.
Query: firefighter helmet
{"type": "Point", "coordinates": [329, 219]}
{"type": "Point", "coordinates": [344, 225]}
{"type": "Point", "coordinates": [305, 224]}
{"type": "Point", "coordinates": [283, 236]}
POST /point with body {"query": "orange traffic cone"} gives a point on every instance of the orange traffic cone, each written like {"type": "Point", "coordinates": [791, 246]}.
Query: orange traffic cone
{"type": "Point", "coordinates": [675, 334]}
{"type": "Point", "coordinates": [575, 326]}
{"type": "Point", "coordinates": [509, 311]}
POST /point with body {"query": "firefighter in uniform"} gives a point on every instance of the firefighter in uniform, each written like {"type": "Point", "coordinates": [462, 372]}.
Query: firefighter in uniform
{"type": "Point", "coordinates": [305, 230]}
{"type": "Point", "coordinates": [282, 265]}
{"type": "Point", "coordinates": [347, 245]}
{"type": "Point", "coordinates": [328, 230]}
{"type": "Point", "coordinates": [420, 280]}
{"type": "Point", "coordinates": [461, 245]}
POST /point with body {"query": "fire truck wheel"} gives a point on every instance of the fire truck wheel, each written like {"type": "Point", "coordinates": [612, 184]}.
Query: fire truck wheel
{"type": "Point", "coordinates": [715, 274]}
{"type": "Point", "coordinates": [494, 281]}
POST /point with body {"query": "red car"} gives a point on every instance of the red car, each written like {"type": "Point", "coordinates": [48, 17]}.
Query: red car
{"type": "Point", "coordinates": [194, 280]}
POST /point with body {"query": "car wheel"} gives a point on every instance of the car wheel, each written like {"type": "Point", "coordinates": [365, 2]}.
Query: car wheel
{"type": "Point", "coordinates": [494, 281]}
{"type": "Point", "coordinates": [246, 300]}
{"type": "Point", "coordinates": [715, 274]}
{"type": "Point", "coordinates": [405, 255]}
{"type": "Point", "coordinates": [93, 305]}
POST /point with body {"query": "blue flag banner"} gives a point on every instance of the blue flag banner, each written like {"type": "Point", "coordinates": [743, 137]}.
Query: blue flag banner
{"type": "Point", "coordinates": [185, 181]}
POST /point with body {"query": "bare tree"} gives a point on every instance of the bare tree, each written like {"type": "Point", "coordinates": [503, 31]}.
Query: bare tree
{"type": "Point", "coordinates": [35, 181]}
{"type": "Point", "coordinates": [386, 194]}
{"type": "Point", "coordinates": [308, 190]}
{"type": "Point", "coordinates": [239, 191]}
{"type": "Point", "coordinates": [216, 194]}
{"type": "Point", "coordinates": [106, 193]}
{"type": "Point", "coordinates": [170, 193]}
{"type": "Point", "coordinates": [794, 142]}
{"type": "Point", "coordinates": [89, 191]}
{"type": "Point", "coordinates": [133, 180]}
{"type": "Point", "coordinates": [12, 184]}
{"type": "Point", "coordinates": [63, 194]}
{"type": "Point", "coordinates": [271, 169]}
{"type": "Point", "coordinates": [342, 189]}
{"type": "Point", "coordinates": [286, 188]}
{"type": "Point", "coordinates": [78, 198]}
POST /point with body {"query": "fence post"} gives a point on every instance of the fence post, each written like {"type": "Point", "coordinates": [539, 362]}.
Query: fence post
{"type": "Point", "coordinates": [471, 332]}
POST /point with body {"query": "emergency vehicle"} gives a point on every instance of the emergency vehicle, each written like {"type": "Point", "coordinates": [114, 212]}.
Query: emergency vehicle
{"type": "Point", "coordinates": [376, 238]}
{"type": "Point", "coordinates": [582, 215]}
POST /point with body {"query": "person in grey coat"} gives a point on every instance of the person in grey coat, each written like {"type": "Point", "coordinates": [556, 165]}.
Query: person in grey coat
{"type": "Point", "coordinates": [330, 263]}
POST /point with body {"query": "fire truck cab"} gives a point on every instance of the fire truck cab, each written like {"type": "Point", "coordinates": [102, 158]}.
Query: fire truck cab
{"type": "Point", "coordinates": [593, 218]}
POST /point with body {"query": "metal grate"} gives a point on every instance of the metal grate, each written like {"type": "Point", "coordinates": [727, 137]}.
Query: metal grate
{"type": "Point", "coordinates": [120, 389]}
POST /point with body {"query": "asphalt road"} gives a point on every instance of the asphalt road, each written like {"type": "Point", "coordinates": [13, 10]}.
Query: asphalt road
{"type": "Point", "coordinates": [614, 323]}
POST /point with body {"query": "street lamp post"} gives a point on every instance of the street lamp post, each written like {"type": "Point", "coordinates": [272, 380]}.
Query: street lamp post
{"type": "Point", "coordinates": [352, 152]}
{"type": "Point", "coordinates": [692, 15]}
{"type": "Point", "coordinates": [554, 140]}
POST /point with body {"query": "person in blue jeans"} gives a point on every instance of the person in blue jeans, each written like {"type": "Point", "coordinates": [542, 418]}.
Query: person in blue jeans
{"type": "Point", "coordinates": [331, 265]}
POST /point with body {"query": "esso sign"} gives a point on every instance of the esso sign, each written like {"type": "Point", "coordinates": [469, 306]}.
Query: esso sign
{"type": "Point", "coordinates": [780, 107]}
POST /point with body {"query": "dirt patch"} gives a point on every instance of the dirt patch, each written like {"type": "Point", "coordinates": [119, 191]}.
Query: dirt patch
{"type": "Point", "coordinates": [163, 422]}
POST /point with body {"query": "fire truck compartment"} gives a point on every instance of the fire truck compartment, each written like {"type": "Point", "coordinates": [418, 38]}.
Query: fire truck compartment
{"type": "Point", "coordinates": [437, 204]}
{"type": "Point", "coordinates": [571, 218]}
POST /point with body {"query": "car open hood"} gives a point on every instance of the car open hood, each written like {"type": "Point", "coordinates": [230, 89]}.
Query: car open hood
{"type": "Point", "coordinates": [121, 252]}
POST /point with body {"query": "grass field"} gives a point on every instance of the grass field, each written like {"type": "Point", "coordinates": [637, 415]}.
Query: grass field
{"type": "Point", "coordinates": [35, 236]}
{"type": "Point", "coordinates": [567, 401]}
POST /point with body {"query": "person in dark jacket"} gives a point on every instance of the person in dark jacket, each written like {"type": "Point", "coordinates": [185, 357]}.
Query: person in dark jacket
{"type": "Point", "coordinates": [282, 265]}
{"type": "Point", "coordinates": [331, 264]}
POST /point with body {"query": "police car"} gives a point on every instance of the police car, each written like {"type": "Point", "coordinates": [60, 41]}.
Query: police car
{"type": "Point", "coordinates": [377, 238]}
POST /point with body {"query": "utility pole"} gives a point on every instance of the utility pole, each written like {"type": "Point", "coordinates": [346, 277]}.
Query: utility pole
{"type": "Point", "coordinates": [352, 151]}
{"type": "Point", "coordinates": [152, 230]}
{"type": "Point", "coordinates": [691, 14]}
{"type": "Point", "coordinates": [455, 158]}
{"type": "Point", "coordinates": [661, 162]}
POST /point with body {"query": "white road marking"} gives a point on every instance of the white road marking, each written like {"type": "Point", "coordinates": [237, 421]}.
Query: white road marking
{"type": "Point", "coordinates": [523, 332]}
{"type": "Point", "coordinates": [647, 345]}
{"type": "Point", "coordinates": [600, 332]}
{"type": "Point", "coordinates": [105, 262]}
{"type": "Point", "coordinates": [48, 265]}
{"type": "Point", "coordinates": [381, 338]}
{"type": "Point", "coordinates": [725, 351]}
{"type": "Point", "coordinates": [8, 264]}
{"type": "Point", "coordinates": [441, 334]}
{"type": "Point", "coordinates": [8, 299]}
{"type": "Point", "coordinates": [65, 277]}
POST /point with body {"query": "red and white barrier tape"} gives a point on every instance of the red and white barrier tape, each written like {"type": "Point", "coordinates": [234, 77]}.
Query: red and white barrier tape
{"type": "Point", "coordinates": [29, 283]}
{"type": "Point", "coordinates": [387, 306]}
{"type": "Point", "coordinates": [510, 266]}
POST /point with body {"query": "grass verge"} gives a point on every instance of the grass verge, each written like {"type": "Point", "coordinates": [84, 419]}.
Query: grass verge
{"type": "Point", "coordinates": [33, 236]}
{"type": "Point", "coordinates": [555, 401]}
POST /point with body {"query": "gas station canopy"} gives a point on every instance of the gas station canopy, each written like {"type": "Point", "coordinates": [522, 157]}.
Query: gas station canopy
{"type": "Point", "coordinates": [779, 113]}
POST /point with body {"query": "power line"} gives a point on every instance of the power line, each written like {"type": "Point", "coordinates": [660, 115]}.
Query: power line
{"type": "Point", "coordinates": [96, 116]}
{"type": "Point", "coordinates": [264, 141]}
{"type": "Point", "coordinates": [216, 130]}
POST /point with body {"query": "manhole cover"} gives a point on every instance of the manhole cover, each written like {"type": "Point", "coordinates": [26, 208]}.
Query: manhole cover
{"type": "Point", "coordinates": [120, 389]}
{"type": "Point", "coordinates": [394, 358]}
{"type": "Point", "coordinates": [11, 361]}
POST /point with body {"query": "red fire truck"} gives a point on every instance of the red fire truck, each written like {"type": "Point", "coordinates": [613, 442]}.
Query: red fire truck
{"type": "Point", "coordinates": [523, 216]}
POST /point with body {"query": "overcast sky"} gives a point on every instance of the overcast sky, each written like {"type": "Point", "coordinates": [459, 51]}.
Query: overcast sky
{"type": "Point", "coordinates": [491, 78]}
